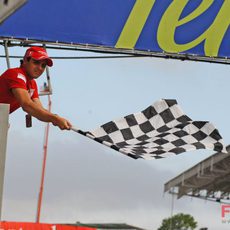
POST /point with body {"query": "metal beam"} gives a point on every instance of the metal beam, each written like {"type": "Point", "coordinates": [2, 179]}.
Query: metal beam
{"type": "Point", "coordinates": [112, 50]}
{"type": "Point", "coordinates": [8, 7]}
{"type": "Point", "coordinates": [210, 175]}
{"type": "Point", "coordinates": [196, 170]}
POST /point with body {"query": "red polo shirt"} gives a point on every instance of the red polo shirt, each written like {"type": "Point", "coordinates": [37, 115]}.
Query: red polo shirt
{"type": "Point", "coordinates": [15, 78]}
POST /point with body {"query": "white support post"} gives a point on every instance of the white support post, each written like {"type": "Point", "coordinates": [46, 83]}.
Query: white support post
{"type": "Point", "coordinates": [7, 53]}
{"type": "Point", "coordinates": [4, 125]}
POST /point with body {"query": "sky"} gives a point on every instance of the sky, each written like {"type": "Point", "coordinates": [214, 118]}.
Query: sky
{"type": "Point", "coordinates": [89, 182]}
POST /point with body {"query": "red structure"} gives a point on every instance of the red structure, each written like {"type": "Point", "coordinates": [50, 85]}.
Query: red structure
{"type": "Point", "coordinates": [37, 226]}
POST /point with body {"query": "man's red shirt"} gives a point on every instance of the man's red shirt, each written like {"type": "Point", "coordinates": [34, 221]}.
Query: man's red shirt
{"type": "Point", "coordinates": [15, 78]}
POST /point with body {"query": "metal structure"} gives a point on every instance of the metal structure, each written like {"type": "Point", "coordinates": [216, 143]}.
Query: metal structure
{"type": "Point", "coordinates": [208, 179]}
{"type": "Point", "coordinates": [108, 50]}
{"type": "Point", "coordinates": [45, 149]}
{"type": "Point", "coordinates": [46, 91]}
{"type": "Point", "coordinates": [8, 7]}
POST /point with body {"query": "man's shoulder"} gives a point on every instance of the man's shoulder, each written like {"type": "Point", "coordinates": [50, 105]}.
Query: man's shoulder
{"type": "Point", "coordinates": [13, 70]}
{"type": "Point", "coordinates": [14, 73]}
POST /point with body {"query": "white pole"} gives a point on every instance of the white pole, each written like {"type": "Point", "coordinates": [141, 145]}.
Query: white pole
{"type": "Point", "coordinates": [7, 53]}
{"type": "Point", "coordinates": [4, 125]}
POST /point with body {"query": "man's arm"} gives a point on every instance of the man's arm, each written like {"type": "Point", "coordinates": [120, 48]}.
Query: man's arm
{"type": "Point", "coordinates": [35, 109]}
{"type": "Point", "coordinates": [38, 102]}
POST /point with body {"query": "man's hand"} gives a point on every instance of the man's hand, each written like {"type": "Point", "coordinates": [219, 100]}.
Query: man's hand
{"type": "Point", "coordinates": [62, 123]}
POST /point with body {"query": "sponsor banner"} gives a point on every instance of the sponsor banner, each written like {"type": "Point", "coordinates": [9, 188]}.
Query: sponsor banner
{"type": "Point", "coordinates": [183, 27]}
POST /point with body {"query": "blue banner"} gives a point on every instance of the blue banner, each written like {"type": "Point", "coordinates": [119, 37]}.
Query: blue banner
{"type": "Point", "coordinates": [185, 27]}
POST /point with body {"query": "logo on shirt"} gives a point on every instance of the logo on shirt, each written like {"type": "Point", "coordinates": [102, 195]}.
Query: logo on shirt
{"type": "Point", "coordinates": [31, 92]}
{"type": "Point", "coordinates": [21, 76]}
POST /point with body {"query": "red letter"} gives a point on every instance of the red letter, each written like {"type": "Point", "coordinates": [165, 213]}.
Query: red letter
{"type": "Point", "coordinates": [224, 209]}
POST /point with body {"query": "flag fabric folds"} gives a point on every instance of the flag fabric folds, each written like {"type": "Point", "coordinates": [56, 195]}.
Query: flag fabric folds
{"type": "Point", "coordinates": [159, 131]}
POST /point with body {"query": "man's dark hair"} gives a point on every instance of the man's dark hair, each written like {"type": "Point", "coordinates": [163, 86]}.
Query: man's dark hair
{"type": "Point", "coordinates": [21, 61]}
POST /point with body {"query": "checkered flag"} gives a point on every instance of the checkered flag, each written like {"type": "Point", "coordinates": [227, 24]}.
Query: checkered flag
{"type": "Point", "coordinates": [159, 131]}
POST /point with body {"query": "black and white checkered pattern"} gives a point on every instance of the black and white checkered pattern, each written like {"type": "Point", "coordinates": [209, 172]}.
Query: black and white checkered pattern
{"type": "Point", "coordinates": [159, 131]}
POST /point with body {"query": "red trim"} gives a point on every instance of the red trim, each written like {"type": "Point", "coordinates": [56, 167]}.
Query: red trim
{"type": "Point", "coordinates": [4, 225]}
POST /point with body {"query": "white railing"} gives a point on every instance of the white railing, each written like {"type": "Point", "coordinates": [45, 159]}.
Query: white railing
{"type": "Point", "coordinates": [4, 125]}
